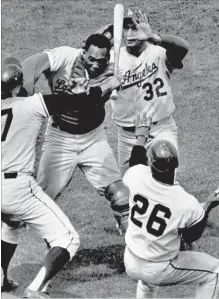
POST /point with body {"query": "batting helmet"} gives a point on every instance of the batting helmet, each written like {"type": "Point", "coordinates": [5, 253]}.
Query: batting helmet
{"type": "Point", "coordinates": [11, 76]}
{"type": "Point", "coordinates": [164, 156]}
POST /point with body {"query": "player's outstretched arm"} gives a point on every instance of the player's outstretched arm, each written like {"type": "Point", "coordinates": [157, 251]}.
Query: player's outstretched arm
{"type": "Point", "coordinates": [211, 202]}
{"type": "Point", "coordinates": [138, 154]}
{"type": "Point", "coordinates": [194, 232]}
{"type": "Point", "coordinates": [176, 47]}
{"type": "Point", "coordinates": [33, 67]}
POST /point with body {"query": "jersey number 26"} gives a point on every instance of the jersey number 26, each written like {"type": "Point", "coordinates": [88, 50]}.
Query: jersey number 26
{"type": "Point", "coordinates": [153, 219]}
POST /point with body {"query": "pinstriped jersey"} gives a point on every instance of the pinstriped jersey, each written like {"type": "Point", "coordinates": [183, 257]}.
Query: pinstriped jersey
{"type": "Point", "coordinates": [157, 213]}
{"type": "Point", "coordinates": [145, 86]}
{"type": "Point", "coordinates": [21, 121]}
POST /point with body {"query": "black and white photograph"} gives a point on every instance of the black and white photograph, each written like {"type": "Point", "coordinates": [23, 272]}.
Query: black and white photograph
{"type": "Point", "coordinates": [109, 149]}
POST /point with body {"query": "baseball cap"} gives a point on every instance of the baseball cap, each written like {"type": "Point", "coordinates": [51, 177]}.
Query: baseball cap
{"type": "Point", "coordinates": [128, 20]}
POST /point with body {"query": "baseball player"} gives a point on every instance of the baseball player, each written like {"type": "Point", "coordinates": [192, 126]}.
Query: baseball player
{"type": "Point", "coordinates": [22, 198]}
{"type": "Point", "coordinates": [77, 137]}
{"type": "Point", "coordinates": [158, 219]}
{"type": "Point", "coordinates": [146, 63]}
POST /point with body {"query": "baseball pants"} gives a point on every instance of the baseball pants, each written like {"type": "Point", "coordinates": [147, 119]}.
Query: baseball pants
{"type": "Point", "coordinates": [163, 130]}
{"type": "Point", "coordinates": [23, 199]}
{"type": "Point", "coordinates": [62, 152]}
{"type": "Point", "coordinates": [188, 267]}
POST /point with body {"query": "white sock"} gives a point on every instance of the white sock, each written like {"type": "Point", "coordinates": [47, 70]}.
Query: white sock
{"type": "Point", "coordinates": [36, 283]}
{"type": "Point", "coordinates": [145, 290]}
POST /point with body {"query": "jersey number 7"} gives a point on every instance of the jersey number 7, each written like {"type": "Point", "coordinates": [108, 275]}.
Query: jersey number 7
{"type": "Point", "coordinates": [161, 223]}
{"type": "Point", "coordinates": [9, 114]}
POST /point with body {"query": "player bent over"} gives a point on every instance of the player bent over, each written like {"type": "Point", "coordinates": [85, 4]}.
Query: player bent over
{"type": "Point", "coordinates": [157, 221]}
{"type": "Point", "coordinates": [22, 198]}
{"type": "Point", "coordinates": [77, 138]}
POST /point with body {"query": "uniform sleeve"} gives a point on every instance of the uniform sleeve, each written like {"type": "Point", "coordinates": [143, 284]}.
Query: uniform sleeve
{"type": "Point", "coordinates": [162, 53]}
{"type": "Point", "coordinates": [61, 56]}
{"type": "Point", "coordinates": [132, 175]}
{"type": "Point", "coordinates": [35, 105]}
{"type": "Point", "coordinates": [193, 214]}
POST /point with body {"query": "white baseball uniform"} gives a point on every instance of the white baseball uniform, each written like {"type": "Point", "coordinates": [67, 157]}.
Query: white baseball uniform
{"type": "Point", "coordinates": [157, 213]}
{"type": "Point", "coordinates": [22, 198]}
{"type": "Point", "coordinates": [62, 150]}
{"type": "Point", "coordinates": [145, 87]}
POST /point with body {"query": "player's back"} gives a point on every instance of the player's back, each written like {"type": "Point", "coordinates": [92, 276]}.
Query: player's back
{"type": "Point", "coordinates": [21, 121]}
{"type": "Point", "coordinates": [157, 212]}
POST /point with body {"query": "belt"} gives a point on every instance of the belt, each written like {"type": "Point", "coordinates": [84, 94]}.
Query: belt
{"type": "Point", "coordinates": [76, 129]}
{"type": "Point", "coordinates": [132, 129]}
{"type": "Point", "coordinates": [10, 175]}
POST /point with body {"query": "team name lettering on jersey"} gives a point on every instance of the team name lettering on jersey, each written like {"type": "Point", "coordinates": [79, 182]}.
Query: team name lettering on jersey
{"type": "Point", "coordinates": [137, 78]}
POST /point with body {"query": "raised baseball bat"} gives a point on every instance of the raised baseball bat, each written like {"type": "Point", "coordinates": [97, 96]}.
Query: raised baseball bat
{"type": "Point", "coordinates": [117, 37]}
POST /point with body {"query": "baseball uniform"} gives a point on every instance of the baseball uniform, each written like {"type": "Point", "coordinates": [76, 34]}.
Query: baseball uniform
{"type": "Point", "coordinates": [152, 254]}
{"type": "Point", "coordinates": [75, 138]}
{"type": "Point", "coordinates": [145, 87]}
{"type": "Point", "coordinates": [22, 198]}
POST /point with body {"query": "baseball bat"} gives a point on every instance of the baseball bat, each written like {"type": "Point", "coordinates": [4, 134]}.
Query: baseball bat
{"type": "Point", "coordinates": [117, 37]}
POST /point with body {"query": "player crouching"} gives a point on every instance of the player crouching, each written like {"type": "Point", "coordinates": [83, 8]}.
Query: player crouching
{"type": "Point", "coordinates": [160, 213]}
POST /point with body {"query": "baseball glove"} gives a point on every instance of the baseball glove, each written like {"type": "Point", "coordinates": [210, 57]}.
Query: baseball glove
{"type": "Point", "coordinates": [78, 69]}
{"type": "Point", "coordinates": [78, 82]}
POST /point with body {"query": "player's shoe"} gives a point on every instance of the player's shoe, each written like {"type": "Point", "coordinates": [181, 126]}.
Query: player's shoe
{"type": "Point", "coordinates": [9, 285]}
{"type": "Point", "coordinates": [34, 294]}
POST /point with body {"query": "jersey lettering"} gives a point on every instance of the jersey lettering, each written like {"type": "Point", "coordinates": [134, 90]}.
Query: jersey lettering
{"type": "Point", "coordinates": [137, 78]}
{"type": "Point", "coordinates": [153, 219]}
{"type": "Point", "coordinates": [60, 86]}
{"type": "Point", "coordinates": [9, 117]}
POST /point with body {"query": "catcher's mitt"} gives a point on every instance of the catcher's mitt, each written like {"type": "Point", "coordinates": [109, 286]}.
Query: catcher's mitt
{"type": "Point", "coordinates": [78, 69]}
{"type": "Point", "coordinates": [78, 82]}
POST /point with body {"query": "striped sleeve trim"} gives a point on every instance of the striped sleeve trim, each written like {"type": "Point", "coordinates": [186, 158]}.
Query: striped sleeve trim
{"type": "Point", "coordinates": [43, 103]}
{"type": "Point", "coordinates": [197, 220]}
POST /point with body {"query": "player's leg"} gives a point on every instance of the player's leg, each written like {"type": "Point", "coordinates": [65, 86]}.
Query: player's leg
{"type": "Point", "coordinates": [27, 202]}
{"type": "Point", "coordinates": [100, 167]}
{"type": "Point", "coordinates": [9, 240]}
{"type": "Point", "coordinates": [53, 225]}
{"type": "Point", "coordinates": [58, 161]}
{"type": "Point", "coordinates": [126, 141]}
{"type": "Point", "coordinates": [7, 252]}
{"type": "Point", "coordinates": [146, 290]}
{"type": "Point", "coordinates": [136, 268]}
{"type": "Point", "coordinates": [191, 267]}
{"type": "Point", "coordinates": [166, 130]}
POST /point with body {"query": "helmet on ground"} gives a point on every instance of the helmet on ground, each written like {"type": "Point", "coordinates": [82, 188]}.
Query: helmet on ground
{"type": "Point", "coordinates": [163, 156]}
{"type": "Point", "coordinates": [11, 76]}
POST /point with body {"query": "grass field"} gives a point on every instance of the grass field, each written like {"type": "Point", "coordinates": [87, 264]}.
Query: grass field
{"type": "Point", "coordinates": [97, 270]}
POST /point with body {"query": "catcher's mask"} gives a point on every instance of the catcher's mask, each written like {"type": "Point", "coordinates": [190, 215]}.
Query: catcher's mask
{"type": "Point", "coordinates": [11, 77]}
{"type": "Point", "coordinates": [163, 157]}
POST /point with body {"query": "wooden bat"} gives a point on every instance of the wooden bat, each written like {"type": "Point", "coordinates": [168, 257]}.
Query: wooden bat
{"type": "Point", "coordinates": [117, 37]}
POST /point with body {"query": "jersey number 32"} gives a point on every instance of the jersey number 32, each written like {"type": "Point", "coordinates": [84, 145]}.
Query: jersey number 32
{"type": "Point", "coordinates": [155, 225]}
